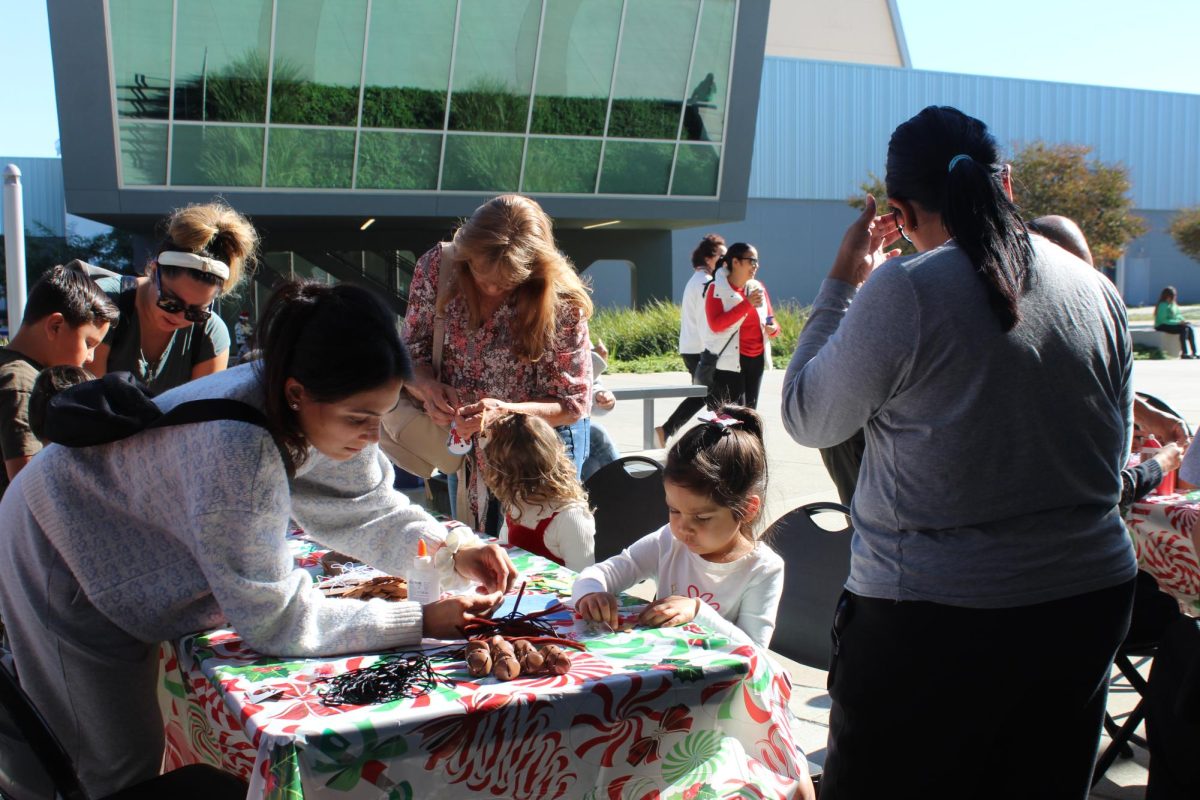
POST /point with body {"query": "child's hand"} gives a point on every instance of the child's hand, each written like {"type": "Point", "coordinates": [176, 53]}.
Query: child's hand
{"type": "Point", "coordinates": [599, 607]}
{"type": "Point", "coordinates": [670, 611]}
{"type": "Point", "coordinates": [1169, 457]}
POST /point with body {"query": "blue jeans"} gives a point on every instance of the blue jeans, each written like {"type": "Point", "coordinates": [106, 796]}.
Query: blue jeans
{"type": "Point", "coordinates": [602, 451]}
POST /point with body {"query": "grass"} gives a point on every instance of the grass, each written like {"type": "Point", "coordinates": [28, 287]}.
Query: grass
{"type": "Point", "coordinates": [1146, 313]}
{"type": "Point", "coordinates": [647, 339]}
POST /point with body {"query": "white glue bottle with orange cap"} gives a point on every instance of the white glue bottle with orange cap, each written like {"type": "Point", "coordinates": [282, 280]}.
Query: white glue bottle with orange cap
{"type": "Point", "coordinates": [424, 581]}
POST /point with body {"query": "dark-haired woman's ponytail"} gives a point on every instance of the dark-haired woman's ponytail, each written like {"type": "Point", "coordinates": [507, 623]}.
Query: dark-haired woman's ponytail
{"type": "Point", "coordinates": [987, 226]}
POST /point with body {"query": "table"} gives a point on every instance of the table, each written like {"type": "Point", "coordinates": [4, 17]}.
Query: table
{"type": "Point", "coordinates": [669, 713]}
{"type": "Point", "coordinates": [1162, 530]}
{"type": "Point", "coordinates": [648, 394]}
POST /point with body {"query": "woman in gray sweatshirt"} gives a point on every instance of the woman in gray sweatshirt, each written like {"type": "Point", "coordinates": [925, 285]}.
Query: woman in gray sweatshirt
{"type": "Point", "coordinates": [991, 576]}
{"type": "Point", "coordinates": [107, 550]}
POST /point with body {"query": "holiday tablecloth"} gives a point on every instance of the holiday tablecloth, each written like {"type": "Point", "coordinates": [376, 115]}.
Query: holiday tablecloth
{"type": "Point", "coordinates": [1163, 531]}
{"type": "Point", "coordinates": [645, 713]}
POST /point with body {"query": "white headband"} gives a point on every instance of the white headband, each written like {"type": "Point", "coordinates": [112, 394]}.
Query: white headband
{"type": "Point", "coordinates": [174, 258]}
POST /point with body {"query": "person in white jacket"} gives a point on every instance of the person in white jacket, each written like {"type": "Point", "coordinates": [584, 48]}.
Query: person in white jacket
{"type": "Point", "coordinates": [741, 324]}
{"type": "Point", "coordinates": [107, 550]}
{"type": "Point", "coordinates": [710, 563]}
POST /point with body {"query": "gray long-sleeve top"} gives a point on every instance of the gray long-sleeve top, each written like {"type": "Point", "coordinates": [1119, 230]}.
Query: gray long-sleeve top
{"type": "Point", "coordinates": [992, 466]}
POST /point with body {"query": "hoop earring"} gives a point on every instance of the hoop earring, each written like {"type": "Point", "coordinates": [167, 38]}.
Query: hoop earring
{"type": "Point", "coordinates": [904, 235]}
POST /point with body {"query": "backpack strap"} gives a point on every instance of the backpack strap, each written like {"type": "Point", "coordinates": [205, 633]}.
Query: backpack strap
{"type": "Point", "coordinates": [128, 282]}
{"type": "Point", "coordinates": [210, 410]}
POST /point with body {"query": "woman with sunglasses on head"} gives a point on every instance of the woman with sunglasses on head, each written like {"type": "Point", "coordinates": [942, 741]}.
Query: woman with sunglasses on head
{"type": "Point", "coordinates": [991, 575]}
{"type": "Point", "coordinates": [169, 334]}
{"type": "Point", "coordinates": [107, 550]}
{"type": "Point", "coordinates": [741, 324]}
{"type": "Point", "coordinates": [516, 335]}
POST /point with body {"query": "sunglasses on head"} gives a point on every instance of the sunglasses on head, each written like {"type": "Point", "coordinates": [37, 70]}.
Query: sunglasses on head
{"type": "Point", "coordinates": [172, 305]}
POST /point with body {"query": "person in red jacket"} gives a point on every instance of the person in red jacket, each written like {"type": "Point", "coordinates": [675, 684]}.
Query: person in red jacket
{"type": "Point", "coordinates": [741, 324]}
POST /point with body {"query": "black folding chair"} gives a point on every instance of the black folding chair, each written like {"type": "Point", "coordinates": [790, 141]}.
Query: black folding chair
{"type": "Point", "coordinates": [628, 502]}
{"type": "Point", "coordinates": [21, 717]}
{"type": "Point", "coordinates": [818, 563]}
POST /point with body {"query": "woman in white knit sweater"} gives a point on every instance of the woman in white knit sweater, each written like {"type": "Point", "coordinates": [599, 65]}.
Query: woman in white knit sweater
{"type": "Point", "coordinates": [107, 550]}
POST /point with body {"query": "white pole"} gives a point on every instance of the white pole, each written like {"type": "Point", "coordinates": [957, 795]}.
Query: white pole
{"type": "Point", "coordinates": [14, 247]}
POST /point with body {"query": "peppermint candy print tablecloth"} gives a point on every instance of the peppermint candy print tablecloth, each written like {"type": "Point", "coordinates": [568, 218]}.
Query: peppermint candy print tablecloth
{"type": "Point", "coordinates": [1162, 528]}
{"type": "Point", "coordinates": [670, 714]}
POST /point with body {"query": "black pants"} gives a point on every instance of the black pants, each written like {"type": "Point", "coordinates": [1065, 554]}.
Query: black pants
{"type": "Point", "coordinates": [690, 405]}
{"type": "Point", "coordinates": [740, 388]}
{"type": "Point", "coordinates": [1187, 336]}
{"type": "Point", "coordinates": [940, 703]}
{"type": "Point", "coordinates": [843, 462]}
{"type": "Point", "coordinates": [1173, 714]}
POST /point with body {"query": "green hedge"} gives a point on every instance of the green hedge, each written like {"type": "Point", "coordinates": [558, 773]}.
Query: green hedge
{"type": "Point", "coordinates": [647, 339]}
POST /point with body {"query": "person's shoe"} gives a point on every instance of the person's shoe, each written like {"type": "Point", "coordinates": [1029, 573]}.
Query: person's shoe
{"type": "Point", "coordinates": [661, 436]}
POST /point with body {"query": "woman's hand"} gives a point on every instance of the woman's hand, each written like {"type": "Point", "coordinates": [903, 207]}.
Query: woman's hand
{"type": "Point", "coordinates": [488, 564]}
{"type": "Point", "coordinates": [605, 400]}
{"type": "Point", "coordinates": [440, 399]}
{"type": "Point", "coordinates": [1169, 457]}
{"type": "Point", "coordinates": [445, 618]}
{"type": "Point", "coordinates": [771, 328]}
{"type": "Point", "coordinates": [755, 298]}
{"type": "Point", "coordinates": [862, 248]}
{"type": "Point", "coordinates": [670, 611]}
{"type": "Point", "coordinates": [599, 607]}
{"type": "Point", "coordinates": [475, 417]}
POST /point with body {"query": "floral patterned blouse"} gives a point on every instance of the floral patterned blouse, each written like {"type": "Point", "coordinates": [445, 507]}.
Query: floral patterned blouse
{"type": "Point", "coordinates": [482, 363]}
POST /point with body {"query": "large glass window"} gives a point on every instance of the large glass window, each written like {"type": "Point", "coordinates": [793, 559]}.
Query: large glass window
{"type": "Point", "coordinates": [398, 160]}
{"type": "Point", "coordinates": [221, 56]}
{"type": "Point", "coordinates": [696, 169]}
{"type": "Point", "coordinates": [310, 158]}
{"type": "Point", "coordinates": [561, 165]}
{"type": "Point", "coordinates": [406, 82]}
{"type": "Point", "coordinates": [216, 155]}
{"type": "Point", "coordinates": [579, 45]}
{"type": "Point", "coordinates": [143, 154]}
{"type": "Point", "coordinates": [704, 115]}
{"type": "Point", "coordinates": [656, 49]}
{"type": "Point", "coordinates": [482, 163]}
{"type": "Point", "coordinates": [493, 65]}
{"type": "Point", "coordinates": [636, 168]}
{"type": "Point", "coordinates": [318, 61]}
{"type": "Point", "coordinates": [141, 54]}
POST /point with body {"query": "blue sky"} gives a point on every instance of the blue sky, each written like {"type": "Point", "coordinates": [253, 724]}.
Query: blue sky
{"type": "Point", "coordinates": [1149, 44]}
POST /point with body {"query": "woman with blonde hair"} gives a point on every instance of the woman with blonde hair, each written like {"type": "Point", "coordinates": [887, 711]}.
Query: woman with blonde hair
{"type": "Point", "coordinates": [545, 507]}
{"type": "Point", "coordinates": [516, 333]}
{"type": "Point", "coordinates": [169, 334]}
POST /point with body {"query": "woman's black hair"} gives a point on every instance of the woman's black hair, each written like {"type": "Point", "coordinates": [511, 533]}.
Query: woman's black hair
{"type": "Point", "coordinates": [709, 246]}
{"type": "Point", "coordinates": [735, 250]}
{"type": "Point", "coordinates": [924, 167]}
{"type": "Point", "coordinates": [336, 341]}
{"type": "Point", "coordinates": [727, 463]}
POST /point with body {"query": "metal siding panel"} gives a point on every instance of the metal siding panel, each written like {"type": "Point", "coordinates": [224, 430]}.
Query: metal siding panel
{"type": "Point", "coordinates": [41, 193]}
{"type": "Point", "coordinates": [823, 126]}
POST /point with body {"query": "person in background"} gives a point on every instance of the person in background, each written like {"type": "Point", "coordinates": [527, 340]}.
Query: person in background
{"type": "Point", "coordinates": [516, 341]}
{"type": "Point", "coordinates": [545, 507]}
{"type": "Point", "coordinates": [106, 551]}
{"type": "Point", "coordinates": [170, 334]}
{"type": "Point", "coordinates": [736, 302]}
{"type": "Point", "coordinates": [692, 326]}
{"type": "Point", "coordinates": [1168, 319]}
{"type": "Point", "coordinates": [602, 450]}
{"type": "Point", "coordinates": [964, 560]}
{"type": "Point", "coordinates": [66, 317]}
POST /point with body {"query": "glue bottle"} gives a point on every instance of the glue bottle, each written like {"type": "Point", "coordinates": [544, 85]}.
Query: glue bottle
{"type": "Point", "coordinates": [1149, 447]}
{"type": "Point", "coordinates": [424, 581]}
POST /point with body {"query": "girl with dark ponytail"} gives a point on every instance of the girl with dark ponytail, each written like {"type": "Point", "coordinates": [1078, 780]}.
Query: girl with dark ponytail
{"type": "Point", "coordinates": [991, 375]}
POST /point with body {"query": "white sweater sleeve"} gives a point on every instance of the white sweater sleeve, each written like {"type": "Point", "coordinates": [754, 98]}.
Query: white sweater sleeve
{"type": "Point", "coordinates": [756, 614]}
{"type": "Point", "coordinates": [352, 507]}
{"type": "Point", "coordinates": [614, 575]}
{"type": "Point", "coordinates": [572, 537]}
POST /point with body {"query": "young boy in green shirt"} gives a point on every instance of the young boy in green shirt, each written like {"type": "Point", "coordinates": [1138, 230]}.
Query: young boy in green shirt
{"type": "Point", "coordinates": [66, 316]}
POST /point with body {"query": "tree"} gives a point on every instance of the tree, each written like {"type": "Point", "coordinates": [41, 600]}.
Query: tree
{"type": "Point", "coordinates": [1062, 179]}
{"type": "Point", "coordinates": [1185, 230]}
{"type": "Point", "coordinates": [112, 250]}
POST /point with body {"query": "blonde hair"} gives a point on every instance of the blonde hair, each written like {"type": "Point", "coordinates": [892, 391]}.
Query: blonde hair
{"type": "Point", "coordinates": [525, 464]}
{"type": "Point", "coordinates": [511, 237]}
{"type": "Point", "coordinates": [215, 230]}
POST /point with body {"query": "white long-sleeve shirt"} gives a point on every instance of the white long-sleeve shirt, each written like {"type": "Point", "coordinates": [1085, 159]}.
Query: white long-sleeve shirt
{"type": "Point", "coordinates": [692, 322]}
{"type": "Point", "coordinates": [738, 600]}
